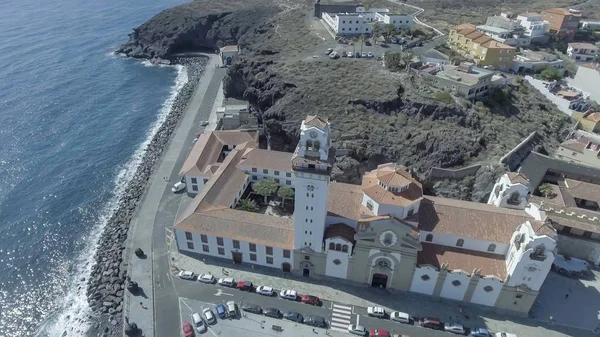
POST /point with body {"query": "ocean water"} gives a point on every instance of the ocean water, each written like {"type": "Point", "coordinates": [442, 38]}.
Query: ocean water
{"type": "Point", "coordinates": [74, 119]}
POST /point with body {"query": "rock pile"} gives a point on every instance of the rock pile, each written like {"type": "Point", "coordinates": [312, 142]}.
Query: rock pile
{"type": "Point", "coordinates": [106, 283]}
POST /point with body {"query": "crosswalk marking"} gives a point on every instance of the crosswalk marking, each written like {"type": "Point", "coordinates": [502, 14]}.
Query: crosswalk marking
{"type": "Point", "coordinates": [340, 317]}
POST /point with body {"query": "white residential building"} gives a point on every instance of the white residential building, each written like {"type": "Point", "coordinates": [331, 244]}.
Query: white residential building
{"type": "Point", "coordinates": [582, 51]}
{"type": "Point", "coordinates": [529, 60]}
{"type": "Point", "coordinates": [510, 37]}
{"type": "Point", "coordinates": [586, 80]}
{"type": "Point", "coordinates": [361, 21]}
{"type": "Point", "coordinates": [533, 23]}
{"type": "Point", "coordinates": [384, 232]}
{"type": "Point", "coordinates": [589, 25]}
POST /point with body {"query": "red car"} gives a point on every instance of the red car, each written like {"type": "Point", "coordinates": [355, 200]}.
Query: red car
{"type": "Point", "coordinates": [188, 331]}
{"type": "Point", "coordinates": [379, 333]}
{"type": "Point", "coordinates": [245, 285]}
{"type": "Point", "coordinates": [308, 299]}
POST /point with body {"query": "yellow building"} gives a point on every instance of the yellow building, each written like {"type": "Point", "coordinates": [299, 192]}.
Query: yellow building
{"type": "Point", "coordinates": [483, 49]}
{"type": "Point", "coordinates": [588, 121]}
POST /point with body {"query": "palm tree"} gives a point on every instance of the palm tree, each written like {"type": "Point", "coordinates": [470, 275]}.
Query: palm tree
{"type": "Point", "coordinates": [285, 193]}
{"type": "Point", "coordinates": [389, 30]}
{"type": "Point", "coordinates": [376, 30]}
{"type": "Point", "coordinates": [265, 187]}
{"type": "Point", "coordinates": [362, 42]}
{"type": "Point", "coordinates": [545, 190]}
{"type": "Point", "coordinates": [248, 205]}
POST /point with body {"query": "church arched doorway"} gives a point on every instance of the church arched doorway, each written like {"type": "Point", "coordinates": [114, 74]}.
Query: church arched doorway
{"type": "Point", "coordinates": [379, 280]}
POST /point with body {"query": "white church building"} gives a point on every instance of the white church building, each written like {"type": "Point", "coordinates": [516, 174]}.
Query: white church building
{"type": "Point", "coordinates": [384, 232]}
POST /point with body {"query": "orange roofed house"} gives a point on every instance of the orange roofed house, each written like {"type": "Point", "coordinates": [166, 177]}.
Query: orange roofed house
{"type": "Point", "coordinates": [483, 49]}
{"type": "Point", "coordinates": [384, 232]}
{"type": "Point", "coordinates": [561, 22]}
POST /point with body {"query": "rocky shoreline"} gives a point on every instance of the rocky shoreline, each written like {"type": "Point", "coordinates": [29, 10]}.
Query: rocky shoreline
{"type": "Point", "coordinates": [106, 283]}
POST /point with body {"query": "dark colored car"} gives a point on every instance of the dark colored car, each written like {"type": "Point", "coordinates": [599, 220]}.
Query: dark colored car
{"type": "Point", "coordinates": [308, 299]}
{"type": "Point", "coordinates": [252, 308]}
{"type": "Point", "coordinates": [293, 316]}
{"type": "Point", "coordinates": [188, 331]}
{"type": "Point", "coordinates": [272, 312]}
{"type": "Point", "coordinates": [431, 323]}
{"type": "Point", "coordinates": [379, 333]}
{"type": "Point", "coordinates": [317, 321]}
{"type": "Point", "coordinates": [245, 285]}
{"type": "Point", "coordinates": [221, 310]}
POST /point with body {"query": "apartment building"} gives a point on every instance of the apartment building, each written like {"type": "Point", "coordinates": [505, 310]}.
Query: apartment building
{"type": "Point", "coordinates": [505, 28]}
{"type": "Point", "coordinates": [465, 79]}
{"type": "Point", "coordinates": [586, 80]}
{"type": "Point", "coordinates": [533, 24]}
{"type": "Point", "coordinates": [582, 150]}
{"type": "Point", "coordinates": [562, 22]}
{"type": "Point", "coordinates": [361, 21]}
{"type": "Point", "coordinates": [581, 51]}
{"type": "Point", "coordinates": [529, 60]}
{"type": "Point", "coordinates": [589, 25]}
{"type": "Point", "coordinates": [483, 49]}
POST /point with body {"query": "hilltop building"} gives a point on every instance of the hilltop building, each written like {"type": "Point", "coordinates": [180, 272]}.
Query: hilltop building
{"type": "Point", "coordinates": [561, 22]}
{"type": "Point", "coordinates": [484, 50]}
{"type": "Point", "coordinates": [361, 20]}
{"type": "Point", "coordinates": [582, 51]}
{"type": "Point", "coordinates": [534, 25]}
{"type": "Point", "coordinates": [384, 232]}
{"type": "Point", "coordinates": [505, 28]}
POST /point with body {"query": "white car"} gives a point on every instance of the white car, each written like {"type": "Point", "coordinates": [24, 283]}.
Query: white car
{"type": "Point", "coordinates": [505, 334]}
{"type": "Point", "coordinates": [198, 323]}
{"type": "Point", "coordinates": [357, 330]}
{"type": "Point", "coordinates": [401, 317]}
{"type": "Point", "coordinates": [264, 290]}
{"type": "Point", "coordinates": [369, 54]}
{"type": "Point", "coordinates": [186, 275]}
{"type": "Point", "coordinates": [206, 278]}
{"type": "Point", "coordinates": [178, 187]}
{"type": "Point", "coordinates": [231, 310]}
{"type": "Point", "coordinates": [226, 282]}
{"type": "Point", "coordinates": [376, 312]}
{"type": "Point", "coordinates": [454, 328]}
{"type": "Point", "coordinates": [209, 316]}
{"type": "Point", "coordinates": [291, 295]}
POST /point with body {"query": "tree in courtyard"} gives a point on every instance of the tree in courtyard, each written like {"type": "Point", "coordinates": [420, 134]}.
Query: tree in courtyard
{"type": "Point", "coordinates": [551, 73]}
{"type": "Point", "coordinates": [248, 205]}
{"type": "Point", "coordinates": [362, 42]}
{"type": "Point", "coordinates": [389, 30]}
{"type": "Point", "coordinates": [376, 30]}
{"type": "Point", "coordinates": [265, 187]}
{"type": "Point", "coordinates": [285, 193]}
{"type": "Point", "coordinates": [545, 190]}
{"type": "Point", "coordinates": [407, 57]}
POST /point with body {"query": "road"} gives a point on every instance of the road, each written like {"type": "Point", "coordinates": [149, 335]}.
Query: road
{"type": "Point", "coordinates": [216, 294]}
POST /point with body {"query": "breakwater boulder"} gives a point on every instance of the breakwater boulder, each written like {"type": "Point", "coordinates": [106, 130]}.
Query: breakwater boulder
{"type": "Point", "coordinates": [107, 281]}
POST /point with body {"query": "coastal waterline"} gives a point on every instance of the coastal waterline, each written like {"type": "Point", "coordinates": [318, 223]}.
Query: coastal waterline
{"type": "Point", "coordinates": [73, 123]}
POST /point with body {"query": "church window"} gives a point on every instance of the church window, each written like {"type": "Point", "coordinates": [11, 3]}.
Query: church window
{"type": "Point", "coordinates": [331, 246]}
{"type": "Point", "coordinates": [345, 248]}
{"type": "Point", "coordinates": [265, 171]}
{"type": "Point", "coordinates": [514, 198]}
{"type": "Point", "coordinates": [316, 145]}
{"type": "Point", "coordinates": [309, 144]}
{"type": "Point", "coordinates": [425, 277]}
{"type": "Point", "coordinates": [310, 220]}
{"type": "Point", "coordinates": [337, 262]}
{"type": "Point", "coordinates": [460, 242]}
{"type": "Point", "coordinates": [429, 237]}
{"type": "Point", "coordinates": [276, 173]}
{"type": "Point", "coordinates": [488, 289]}
{"type": "Point", "coordinates": [312, 195]}
{"type": "Point", "coordinates": [387, 239]}
{"type": "Point", "coordinates": [288, 174]}
{"type": "Point", "coordinates": [369, 205]}
{"type": "Point", "coordinates": [288, 182]}
{"type": "Point", "coordinates": [456, 283]}
{"type": "Point", "coordinates": [491, 248]}
{"type": "Point", "coordinates": [411, 211]}
{"type": "Point", "coordinates": [254, 169]}
{"type": "Point", "coordinates": [338, 247]}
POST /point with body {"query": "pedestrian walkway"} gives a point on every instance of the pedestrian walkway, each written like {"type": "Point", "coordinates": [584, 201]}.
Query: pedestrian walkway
{"type": "Point", "coordinates": [341, 317]}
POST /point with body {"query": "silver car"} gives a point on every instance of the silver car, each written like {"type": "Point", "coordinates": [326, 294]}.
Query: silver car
{"type": "Point", "coordinates": [454, 328]}
{"type": "Point", "coordinates": [357, 330]}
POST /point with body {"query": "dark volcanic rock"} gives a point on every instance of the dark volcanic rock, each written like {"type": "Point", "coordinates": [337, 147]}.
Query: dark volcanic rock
{"type": "Point", "coordinates": [192, 27]}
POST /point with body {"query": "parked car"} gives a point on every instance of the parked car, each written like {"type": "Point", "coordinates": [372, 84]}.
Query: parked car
{"type": "Point", "coordinates": [226, 282]}
{"type": "Point", "coordinates": [187, 275]}
{"type": "Point", "coordinates": [188, 331]}
{"type": "Point", "coordinates": [357, 55]}
{"type": "Point", "coordinates": [198, 323]}
{"type": "Point", "coordinates": [253, 308]}
{"type": "Point", "coordinates": [379, 333]}
{"type": "Point", "coordinates": [479, 332]}
{"type": "Point", "coordinates": [231, 309]}
{"type": "Point", "coordinates": [504, 334]}
{"type": "Point", "coordinates": [204, 123]}
{"type": "Point", "coordinates": [401, 317]}
{"type": "Point", "coordinates": [431, 323]}
{"type": "Point", "coordinates": [293, 316]}
{"type": "Point", "coordinates": [317, 321]}
{"type": "Point", "coordinates": [357, 330]}
{"type": "Point", "coordinates": [206, 278]}
{"type": "Point", "coordinates": [364, 54]}
{"type": "Point", "coordinates": [245, 285]}
{"type": "Point", "coordinates": [208, 315]}
{"type": "Point", "coordinates": [344, 54]}
{"type": "Point", "coordinates": [178, 187]}
{"type": "Point", "coordinates": [264, 290]}
{"type": "Point", "coordinates": [308, 299]}
{"type": "Point", "coordinates": [370, 55]}
{"type": "Point", "coordinates": [272, 312]}
{"type": "Point", "coordinates": [350, 54]}
{"type": "Point", "coordinates": [368, 43]}
{"type": "Point", "coordinates": [334, 55]}
{"type": "Point", "coordinates": [378, 312]}
{"type": "Point", "coordinates": [329, 51]}
{"type": "Point", "coordinates": [220, 308]}
{"type": "Point", "coordinates": [289, 294]}
{"type": "Point", "coordinates": [454, 328]}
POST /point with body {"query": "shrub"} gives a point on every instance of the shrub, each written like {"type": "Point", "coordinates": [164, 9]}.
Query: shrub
{"type": "Point", "coordinates": [444, 96]}
{"type": "Point", "coordinates": [545, 190]}
{"type": "Point", "coordinates": [551, 73]}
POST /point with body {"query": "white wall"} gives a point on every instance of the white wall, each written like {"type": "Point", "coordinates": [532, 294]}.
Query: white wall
{"type": "Point", "coordinates": [259, 174]}
{"type": "Point", "coordinates": [455, 292]}
{"type": "Point", "coordinates": [469, 244]}
{"type": "Point", "coordinates": [330, 220]}
{"type": "Point", "coordinates": [480, 296]}
{"type": "Point", "coordinates": [340, 270]}
{"type": "Point", "coordinates": [199, 184]}
{"type": "Point", "coordinates": [424, 287]}
{"type": "Point", "coordinates": [261, 256]}
{"type": "Point", "coordinates": [397, 211]}
{"type": "Point", "coordinates": [310, 224]}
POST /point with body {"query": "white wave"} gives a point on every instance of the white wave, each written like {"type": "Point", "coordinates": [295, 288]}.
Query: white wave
{"type": "Point", "coordinates": [72, 316]}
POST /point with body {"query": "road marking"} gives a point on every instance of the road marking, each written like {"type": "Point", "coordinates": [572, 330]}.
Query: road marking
{"type": "Point", "coordinates": [341, 311]}
{"type": "Point", "coordinates": [187, 306]}
{"type": "Point", "coordinates": [220, 292]}
{"type": "Point", "coordinates": [335, 314]}
{"type": "Point", "coordinates": [339, 326]}
{"type": "Point", "coordinates": [343, 307]}
{"type": "Point", "coordinates": [357, 319]}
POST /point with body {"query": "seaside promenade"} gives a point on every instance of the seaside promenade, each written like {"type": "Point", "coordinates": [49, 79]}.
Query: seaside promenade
{"type": "Point", "coordinates": [147, 231]}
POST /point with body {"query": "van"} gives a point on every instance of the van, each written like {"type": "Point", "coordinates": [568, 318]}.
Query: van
{"type": "Point", "coordinates": [401, 317]}
{"type": "Point", "coordinates": [231, 312]}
